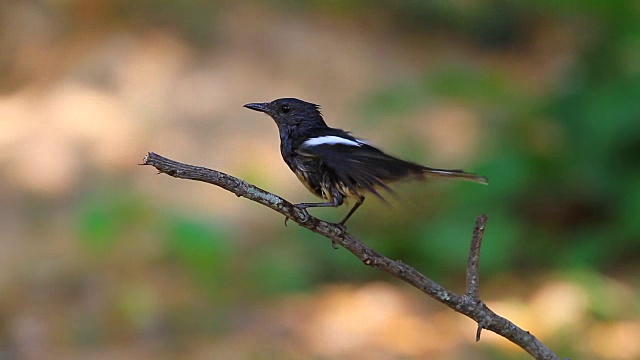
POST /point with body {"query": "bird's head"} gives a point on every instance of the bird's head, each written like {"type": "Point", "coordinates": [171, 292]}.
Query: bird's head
{"type": "Point", "coordinates": [290, 112]}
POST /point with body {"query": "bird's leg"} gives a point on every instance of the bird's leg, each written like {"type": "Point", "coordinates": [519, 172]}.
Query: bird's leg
{"type": "Point", "coordinates": [337, 200]}
{"type": "Point", "coordinates": [303, 207]}
{"type": "Point", "coordinates": [353, 209]}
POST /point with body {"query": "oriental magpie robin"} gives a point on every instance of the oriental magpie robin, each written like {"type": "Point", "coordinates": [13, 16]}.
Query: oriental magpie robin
{"type": "Point", "coordinates": [332, 163]}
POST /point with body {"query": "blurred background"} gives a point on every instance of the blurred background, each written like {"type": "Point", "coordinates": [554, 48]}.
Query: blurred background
{"type": "Point", "coordinates": [102, 259]}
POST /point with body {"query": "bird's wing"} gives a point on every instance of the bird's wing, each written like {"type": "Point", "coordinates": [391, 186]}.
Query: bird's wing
{"type": "Point", "coordinates": [356, 164]}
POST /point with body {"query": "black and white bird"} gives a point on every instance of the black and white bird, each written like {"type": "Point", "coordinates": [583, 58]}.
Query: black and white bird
{"type": "Point", "coordinates": [332, 163]}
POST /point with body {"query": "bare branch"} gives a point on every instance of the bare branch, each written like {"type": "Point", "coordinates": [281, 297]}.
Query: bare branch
{"type": "Point", "coordinates": [469, 305]}
{"type": "Point", "coordinates": [473, 266]}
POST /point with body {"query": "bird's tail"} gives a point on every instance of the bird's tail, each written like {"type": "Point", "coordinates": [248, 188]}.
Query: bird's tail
{"type": "Point", "coordinates": [454, 174]}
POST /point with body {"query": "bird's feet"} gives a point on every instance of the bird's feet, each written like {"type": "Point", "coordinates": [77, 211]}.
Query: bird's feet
{"type": "Point", "coordinates": [303, 210]}
{"type": "Point", "coordinates": [342, 230]}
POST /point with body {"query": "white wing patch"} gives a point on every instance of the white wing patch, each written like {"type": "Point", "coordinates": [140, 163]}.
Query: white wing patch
{"type": "Point", "coordinates": [330, 140]}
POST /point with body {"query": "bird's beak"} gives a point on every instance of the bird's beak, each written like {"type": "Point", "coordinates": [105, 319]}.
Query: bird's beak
{"type": "Point", "coordinates": [262, 107]}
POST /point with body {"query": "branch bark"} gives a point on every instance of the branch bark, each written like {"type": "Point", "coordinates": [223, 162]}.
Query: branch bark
{"type": "Point", "coordinates": [468, 304]}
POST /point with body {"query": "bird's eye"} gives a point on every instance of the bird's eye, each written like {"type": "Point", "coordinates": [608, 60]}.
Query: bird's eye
{"type": "Point", "coordinates": [285, 108]}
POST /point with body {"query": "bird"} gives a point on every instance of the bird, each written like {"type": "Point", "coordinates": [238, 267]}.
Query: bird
{"type": "Point", "coordinates": [333, 164]}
